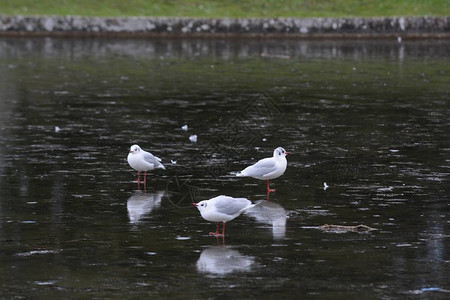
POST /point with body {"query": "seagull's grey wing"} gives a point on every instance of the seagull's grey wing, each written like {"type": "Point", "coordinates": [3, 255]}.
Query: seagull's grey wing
{"type": "Point", "coordinates": [231, 206]}
{"type": "Point", "coordinates": [263, 167]}
{"type": "Point", "coordinates": [150, 158]}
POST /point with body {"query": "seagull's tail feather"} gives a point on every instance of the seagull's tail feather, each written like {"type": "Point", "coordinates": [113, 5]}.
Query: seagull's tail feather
{"type": "Point", "coordinates": [240, 174]}
{"type": "Point", "coordinates": [250, 206]}
{"type": "Point", "coordinates": [160, 166]}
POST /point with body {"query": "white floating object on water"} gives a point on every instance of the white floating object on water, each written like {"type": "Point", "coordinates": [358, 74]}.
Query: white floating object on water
{"type": "Point", "coordinates": [394, 150]}
{"type": "Point", "coordinates": [325, 186]}
{"type": "Point", "coordinates": [193, 138]}
{"type": "Point", "coordinates": [183, 238]}
{"type": "Point", "coordinates": [399, 39]}
{"type": "Point", "coordinates": [57, 129]}
{"type": "Point", "coordinates": [184, 127]}
{"type": "Point", "coordinates": [264, 140]}
{"type": "Point", "coordinates": [174, 162]}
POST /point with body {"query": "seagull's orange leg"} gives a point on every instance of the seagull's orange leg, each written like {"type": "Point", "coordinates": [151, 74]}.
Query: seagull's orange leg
{"type": "Point", "coordinates": [269, 190]}
{"type": "Point", "coordinates": [217, 230]}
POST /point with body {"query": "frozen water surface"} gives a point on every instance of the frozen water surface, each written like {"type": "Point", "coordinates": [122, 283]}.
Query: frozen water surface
{"type": "Point", "coordinates": [369, 118]}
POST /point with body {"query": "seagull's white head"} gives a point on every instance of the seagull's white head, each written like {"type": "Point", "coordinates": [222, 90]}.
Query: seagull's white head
{"type": "Point", "coordinates": [201, 206]}
{"type": "Point", "coordinates": [135, 149]}
{"type": "Point", "coordinates": [280, 152]}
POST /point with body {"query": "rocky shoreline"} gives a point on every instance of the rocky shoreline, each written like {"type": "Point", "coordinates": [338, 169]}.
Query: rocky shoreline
{"type": "Point", "coordinates": [406, 27]}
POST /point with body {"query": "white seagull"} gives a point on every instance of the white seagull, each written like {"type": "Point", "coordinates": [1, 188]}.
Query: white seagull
{"type": "Point", "coordinates": [267, 168]}
{"type": "Point", "coordinates": [222, 209]}
{"type": "Point", "coordinates": [143, 161]}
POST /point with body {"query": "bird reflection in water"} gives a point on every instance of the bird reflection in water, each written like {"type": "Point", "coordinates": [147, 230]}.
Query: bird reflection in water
{"type": "Point", "coordinates": [221, 261]}
{"type": "Point", "coordinates": [272, 214]}
{"type": "Point", "coordinates": [141, 204]}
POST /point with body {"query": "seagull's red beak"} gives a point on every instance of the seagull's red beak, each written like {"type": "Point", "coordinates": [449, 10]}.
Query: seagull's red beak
{"type": "Point", "coordinates": [287, 152]}
{"type": "Point", "coordinates": [131, 151]}
{"type": "Point", "coordinates": [194, 204]}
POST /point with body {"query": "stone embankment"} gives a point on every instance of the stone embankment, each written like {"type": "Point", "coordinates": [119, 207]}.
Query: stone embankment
{"type": "Point", "coordinates": [406, 27]}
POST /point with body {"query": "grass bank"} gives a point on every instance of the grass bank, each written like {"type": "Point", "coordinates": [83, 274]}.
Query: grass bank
{"type": "Point", "coordinates": [228, 8]}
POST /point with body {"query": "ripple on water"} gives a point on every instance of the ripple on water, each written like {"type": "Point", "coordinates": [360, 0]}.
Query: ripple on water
{"type": "Point", "coordinates": [39, 252]}
{"type": "Point", "coordinates": [50, 282]}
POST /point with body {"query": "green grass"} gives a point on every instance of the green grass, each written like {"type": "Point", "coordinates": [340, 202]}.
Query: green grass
{"type": "Point", "coordinates": [228, 8]}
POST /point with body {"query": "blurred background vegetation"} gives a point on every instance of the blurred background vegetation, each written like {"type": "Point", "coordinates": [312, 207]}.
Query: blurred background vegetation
{"type": "Point", "coordinates": [228, 8]}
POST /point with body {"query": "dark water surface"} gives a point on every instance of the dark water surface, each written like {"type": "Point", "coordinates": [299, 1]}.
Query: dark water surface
{"type": "Point", "coordinates": [371, 119]}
